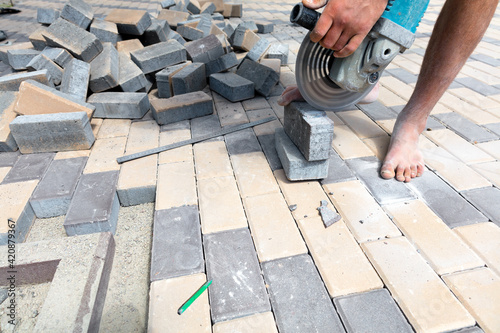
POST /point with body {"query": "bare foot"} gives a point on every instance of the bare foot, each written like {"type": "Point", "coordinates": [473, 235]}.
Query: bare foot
{"type": "Point", "coordinates": [403, 160]}
{"type": "Point", "coordinates": [292, 93]}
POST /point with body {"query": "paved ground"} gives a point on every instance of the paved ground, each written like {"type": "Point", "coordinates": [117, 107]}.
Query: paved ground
{"type": "Point", "coordinates": [423, 256]}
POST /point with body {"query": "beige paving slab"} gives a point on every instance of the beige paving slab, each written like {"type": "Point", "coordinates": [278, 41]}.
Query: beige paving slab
{"type": "Point", "coordinates": [181, 154]}
{"type": "Point", "coordinates": [490, 170]}
{"type": "Point", "coordinates": [458, 147]}
{"type": "Point", "coordinates": [361, 124]}
{"type": "Point", "coordinates": [475, 98]}
{"type": "Point", "coordinates": [165, 298]}
{"type": "Point", "coordinates": [15, 197]}
{"type": "Point", "coordinates": [437, 243]}
{"type": "Point", "coordinates": [104, 154]}
{"type": "Point", "coordinates": [253, 174]}
{"type": "Point", "coordinates": [340, 261]}
{"type": "Point", "coordinates": [424, 298]}
{"type": "Point", "coordinates": [71, 154]}
{"type": "Point", "coordinates": [273, 228]}
{"type": "Point", "coordinates": [336, 120]}
{"type": "Point", "coordinates": [397, 86]}
{"type": "Point", "coordinates": [230, 113]}
{"type": "Point", "coordinates": [388, 98]}
{"type": "Point", "coordinates": [378, 145]}
{"type": "Point", "coordinates": [479, 291]}
{"type": "Point", "coordinates": [220, 205]}
{"type": "Point", "coordinates": [3, 172]}
{"type": "Point", "coordinates": [260, 322]}
{"type": "Point", "coordinates": [409, 65]}
{"type": "Point", "coordinates": [267, 128]}
{"type": "Point", "coordinates": [492, 148]}
{"type": "Point", "coordinates": [347, 144]}
{"type": "Point", "coordinates": [484, 67]}
{"type": "Point", "coordinates": [307, 195]}
{"type": "Point", "coordinates": [143, 135]}
{"type": "Point", "coordinates": [362, 214]}
{"type": "Point", "coordinates": [139, 173]}
{"type": "Point", "coordinates": [440, 108]}
{"type": "Point", "coordinates": [112, 128]}
{"type": "Point", "coordinates": [176, 185]}
{"type": "Point", "coordinates": [387, 125]}
{"type": "Point", "coordinates": [484, 239]}
{"type": "Point", "coordinates": [212, 160]}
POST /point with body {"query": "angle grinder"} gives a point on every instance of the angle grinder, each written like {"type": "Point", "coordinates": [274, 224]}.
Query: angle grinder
{"type": "Point", "coordinates": [329, 83]}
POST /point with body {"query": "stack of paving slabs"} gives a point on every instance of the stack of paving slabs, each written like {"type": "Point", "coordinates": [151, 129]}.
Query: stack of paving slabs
{"type": "Point", "coordinates": [303, 144]}
{"type": "Point", "coordinates": [77, 67]}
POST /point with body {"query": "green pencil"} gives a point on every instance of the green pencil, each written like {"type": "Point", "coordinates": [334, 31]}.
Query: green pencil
{"type": "Point", "coordinates": [194, 297]}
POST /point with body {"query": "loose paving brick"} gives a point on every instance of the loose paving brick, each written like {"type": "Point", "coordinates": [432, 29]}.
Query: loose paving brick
{"type": "Point", "coordinates": [131, 78]}
{"type": "Point", "coordinates": [123, 105]}
{"type": "Point", "coordinates": [52, 132]}
{"type": "Point", "coordinates": [360, 211]}
{"type": "Point", "coordinates": [263, 77]}
{"type": "Point", "coordinates": [190, 33]}
{"type": "Point", "coordinates": [179, 176]}
{"type": "Point", "coordinates": [104, 69]}
{"type": "Point", "coordinates": [232, 86]}
{"type": "Point", "coordinates": [372, 311]}
{"type": "Point", "coordinates": [75, 79]}
{"type": "Point", "coordinates": [340, 261]}
{"type": "Point", "coordinates": [259, 49]}
{"type": "Point", "coordinates": [177, 248]}
{"type": "Point", "coordinates": [173, 17]}
{"type": "Point", "coordinates": [261, 322]}
{"type": "Point", "coordinates": [164, 79]}
{"type": "Point", "coordinates": [40, 62]}
{"type": "Point", "coordinates": [191, 78]}
{"type": "Point", "coordinates": [205, 49]}
{"type": "Point", "coordinates": [78, 12]}
{"type": "Point", "coordinates": [278, 51]}
{"type": "Point", "coordinates": [7, 114]}
{"type": "Point", "coordinates": [465, 128]}
{"type": "Point", "coordinates": [166, 296]}
{"type": "Point", "coordinates": [238, 287]}
{"type": "Point", "coordinates": [477, 290]}
{"type": "Point", "coordinates": [442, 249]}
{"type": "Point", "coordinates": [54, 192]}
{"type": "Point", "coordinates": [453, 209]}
{"type": "Point", "coordinates": [78, 269]}
{"type": "Point", "coordinates": [221, 64]}
{"type": "Point", "coordinates": [129, 45]}
{"type": "Point", "coordinates": [275, 64]}
{"type": "Point", "coordinates": [129, 21]}
{"type": "Point", "coordinates": [37, 39]}
{"type": "Point", "coordinates": [29, 167]}
{"type": "Point", "coordinates": [157, 32]}
{"type": "Point", "coordinates": [295, 165]}
{"type": "Point", "coordinates": [243, 38]}
{"type": "Point", "coordinates": [15, 205]}
{"type": "Point", "coordinates": [310, 130]}
{"type": "Point", "coordinates": [155, 57]}
{"type": "Point", "coordinates": [233, 9]}
{"type": "Point", "coordinates": [12, 82]}
{"type": "Point", "coordinates": [296, 308]}
{"type": "Point", "coordinates": [79, 42]}
{"type": "Point", "coordinates": [36, 98]}
{"type": "Point", "coordinates": [208, 8]}
{"type": "Point", "coordinates": [487, 200]}
{"type": "Point", "coordinates": [60, 56]}
{"type": "Point", "coordinates": [47, 16]}
{"type": "Point", "coordinates": [264, 27]}
{"type": "Point", "coordinates": [181, 107]}
{"type": "Point", "coordinates": [106, 31]}
{"type": "Point", "coordinates": [104, 154]}
{"type": "Point", "coordinates": [16, 46]}
{"type": "Point", "coordinates": [94, 206]}
{"type": "Point", "coordinates": [338, 171]}
{"type": "Point", "coordinates": [19, 59]}
{"type": "Point", "coordinates": [384, 191]}
{"type": "Point", "coordinates": [425, 300]}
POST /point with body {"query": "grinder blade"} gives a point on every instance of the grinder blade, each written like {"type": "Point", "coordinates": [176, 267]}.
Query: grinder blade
{"type": "Point", "coordinates": [312, 74]}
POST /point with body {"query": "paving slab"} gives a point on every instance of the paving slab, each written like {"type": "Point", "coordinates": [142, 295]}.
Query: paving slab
{"type": "Point", "coordinates": [191, 78]}
{"type": "Point", "coordinates": [78, 269]}
{"type": "Point", "coordinates": [12, 82]}
{"type": "Point", "coordinates": [487, 200]}
{"type": "Point", "coordinates": [264, 78]}
{"type": "Point", "coordinates": [206, 125]}
{"type": "Point", "coordinates": [47, 15]}
{"type": "Point", "coordinates": [157, 56]}
{"type": "Point", "coordinates": [238, 288]}
{"type": "Point", "coordinates": [129, 21]}
{"type": "Point", "coordinates": [8, 159]}
{"type": "Point", "coordinates": [182, 107]}
{"type": "Point", "coordinates": [78, 12]}
{"type": "Point", "coordinates": [120, 105]}
{"type": "Point", "coordinates": [232, 86]}
{"type": "Point", "coordinates": [29, 167]}
{"type": "Point", "coordinates": [299, 309]}
{"type": "Point", "coordinates": [19, 59]}
{"type": "Point", "coordinates": [242, 142]}
{"type": "Point", "coordinates": [338, 171]}
{"type": "Point", "coordinates": [268, 144]}
{"type": "Point", "coordinates": [7, 115]}
{"type": "Point", "coordinates": [177, 249]}
{"type": "Point", "coordinates": [261, 322]}
{"type": "Point", "coordinates": [466, 128]}
{"type": "Point", "coordinates": [75, 79]}
{"type": "Point", "coordinates": [40, 62]}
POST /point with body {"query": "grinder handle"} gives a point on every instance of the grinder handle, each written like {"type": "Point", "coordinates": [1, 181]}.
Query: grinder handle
{"type": "Point", "coordinates": [304, 16]}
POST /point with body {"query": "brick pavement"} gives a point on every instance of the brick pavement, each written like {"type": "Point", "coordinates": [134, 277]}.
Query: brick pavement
{"type": "Point", "coordinates": [421, 256]}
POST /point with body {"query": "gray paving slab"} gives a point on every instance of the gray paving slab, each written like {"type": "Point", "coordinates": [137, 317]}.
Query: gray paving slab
{"type": "Point", "coordinates": [8, 159]}
{"type": "Point", "coordinates": [19, 59]}
{"type": "Point", "coordinates": [402, 75]}
{"type": "Point", "coordinates": [268, 144]}
{"type": "Point", "coordinates": [121, 105]}
{"type": "Point", "coordinates": [182, 107]}
{"type": "Point", "coordinates": [75, 79]}
{"type": "Point", "coordinates": [163, 79]}
{"type": "Point", "coordinates": [94, 206]}
{"type": "Point", "coordinates": [157, 32]}
{"type": "Point", "coordinates": [12, 82]}
{"type": "Point", "coordinates": [385, 191]}
{"type": "Point", "coordinates": [78, 12]}
{"type": "Point", "coordinates": [105, 69]}
{"type": "Point", "coordinates": [190, 78]}
{"type": "Point", "coordinates": [259, 50]}
{"type": "Point", "coordinates": [299, 297]}
{"type": "Point", "coordinates": [47, 16]}
{"type": "Point", "coordinates": [495, 128]}
{"type": "Point", "coordinates": [433, 124]}
{"type": "Point", "coordinates": [377, 111]}
{"type": "Point", "coordinates": [338, 171]}
{"type": "Point", "coordinates": [452, 208]}
{"type": "Point", "coordinates": [190, 33]}
{"type": "Point", "coordinates": [232, 86]}
{"type": "Point", "coordinates": [238, 287]}
{"type": "Point", "coordinates": [130, 21]}
{"type": "Point", "coordinates": [53, 194]}
{"type": "Point", "coordinates": [158, 56]}
{"type": "Point", "coordinates": [29, 167]}
{"type": "Point", "coordinates": [495, 62]}
{"type": "Point", "coordinates": [221, 64]}
{"type": "Point", "coordinates": [478, 86]}
{"type": "Point", "coordinates": [242, 142]}
{"type": "Point", "coordinates": [487, 200]}
{"type": "Point", "coordinates": [465, 128]}
{"type": "Point", "coordinates": [205, 49]}
{"type": "Point", "coordinates": [264, 78]}
{"type": "Point", "coordinates": [40, 62]}
{"type": "Point", "coordinates": [106, 31]}
{"type": "Point", "coordinates": [60, 56]}
{"type": "Point", "coordinates": [176, 249]}
{"type": "Point", "coordinates": [373, 311]}
{"type": "Point", "coordinates": [206, 125]}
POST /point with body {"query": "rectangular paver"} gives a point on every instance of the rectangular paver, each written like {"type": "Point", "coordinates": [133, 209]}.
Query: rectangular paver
{"type": "Point", "coordinates": [466, 128]}
{"type": "Point", "coordinates": [157, 56]}
{"type": "Point", "coordinates": [211, 160]}
{"type": "Point", "coordinates": [361, 124]}
{"type": "Point", "coordinates": [104, 154]}
{"type": "Point", "coordinates": [261, 322]}
{"type": "Point", "coordinates": [347, 144]}
{"type": "Point", "coordinates": [176, 185]}
{"type": "Point", "coordinates": [29, 167]}
{"type": "Point", "coordinates": [173, 133]}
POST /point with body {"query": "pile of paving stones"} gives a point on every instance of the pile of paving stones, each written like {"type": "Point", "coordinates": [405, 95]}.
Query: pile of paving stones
{"type": "Point", "coordinates": [78, 66]}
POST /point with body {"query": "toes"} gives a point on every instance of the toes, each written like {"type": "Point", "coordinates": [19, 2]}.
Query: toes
{"type": "Point", "coordinates": [420, 169]}
{"type": "Point", "coordinates": [407, 174]}
{"type": "Point", "coordinates": [413, 170]}
{"type": "Point", "coordinates": [387, 171]}
{"type": "Point", "coordinates": [400, 173]}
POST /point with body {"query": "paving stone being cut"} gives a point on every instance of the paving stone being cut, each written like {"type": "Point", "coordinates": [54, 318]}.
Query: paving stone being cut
{"type": "Point", "coordinates": [94, 206]}
{"type": "Point", "coordinates": [155, 57]}
{"type": "Point", "coordinates": [78, 269]}
{"type": "Point", "coordinates": [12, 82]}
{"type": "Point", "coordinates": [79, 42]}
{"type": "Point", "coordinates": [191, 78]}
{"type": "Point", "coordinates": [205, 49]}
{"type": "Point", "coordinates": [53, 194]}
{"type": "Point", "coordinates": [299, 309]}
{"type": "Point", "coordinates": [121, 105]}
{"type": "Point", "coordinates": [309, 129]}
{"type": "Point", "coordinates": [104, 69]}
{"type": "Point", "coordinates": [295, 165]}
{"type": "Point", "coordinates": [232, 86]}
{"type": "Point", "coordinates": [177, 248]}
{"type": "Point", "coordinates": [374, 311]}
{"type": "Point", "coordinates": [75, 79]}
{"type": "Point", "coordinates": [263, 77]}
{"type": "Point", "coordinates": [29, 167]}
{"type": "Point", "coordinates": [7, 114]}
{"type": "Point", "coordinates": [164, 79]}
{"type": "Point", "coordinates": [78, 12]}
{"type": "Point", "coordinates": [19, 59]}
{"type": "Point", "coordinates": [182, 107]}
{"type": "Point", "coordinates": [130, 77]}
{"type": "Point", "coordinates": [106, 31]}
{"type": "Point", "coordinates": [221, 64]}
{"type": "Point", "coordinates": [129, 21]}
{"type": "Point", "coordinates": [52, 132]}
{"type": "Point", "coordinates": [40, 62]}
{"type": "Point", "coordinates": [238, 288]}
{"type": "Point", "coordinates": [47, 16]}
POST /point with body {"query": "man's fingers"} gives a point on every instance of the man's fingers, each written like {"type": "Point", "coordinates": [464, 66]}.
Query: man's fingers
{"type": "Point", "coordinates": [314, 4]}
{"type": "Point", "coordinates": [331, 37]}
{"type": "Point", "coordinates": [322, 26]}
{"type": "Point", "coordinates": [342, 41]}
{"type": "Point", "coordinates": [351, 46]}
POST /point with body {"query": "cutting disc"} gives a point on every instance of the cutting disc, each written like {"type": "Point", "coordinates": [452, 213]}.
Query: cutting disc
{"type": "Point", "coordinates": [312, 74]}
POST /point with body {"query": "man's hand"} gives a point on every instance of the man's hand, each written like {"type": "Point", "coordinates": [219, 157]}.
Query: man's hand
{"type": "Point", "coordinates": [344, 23]}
